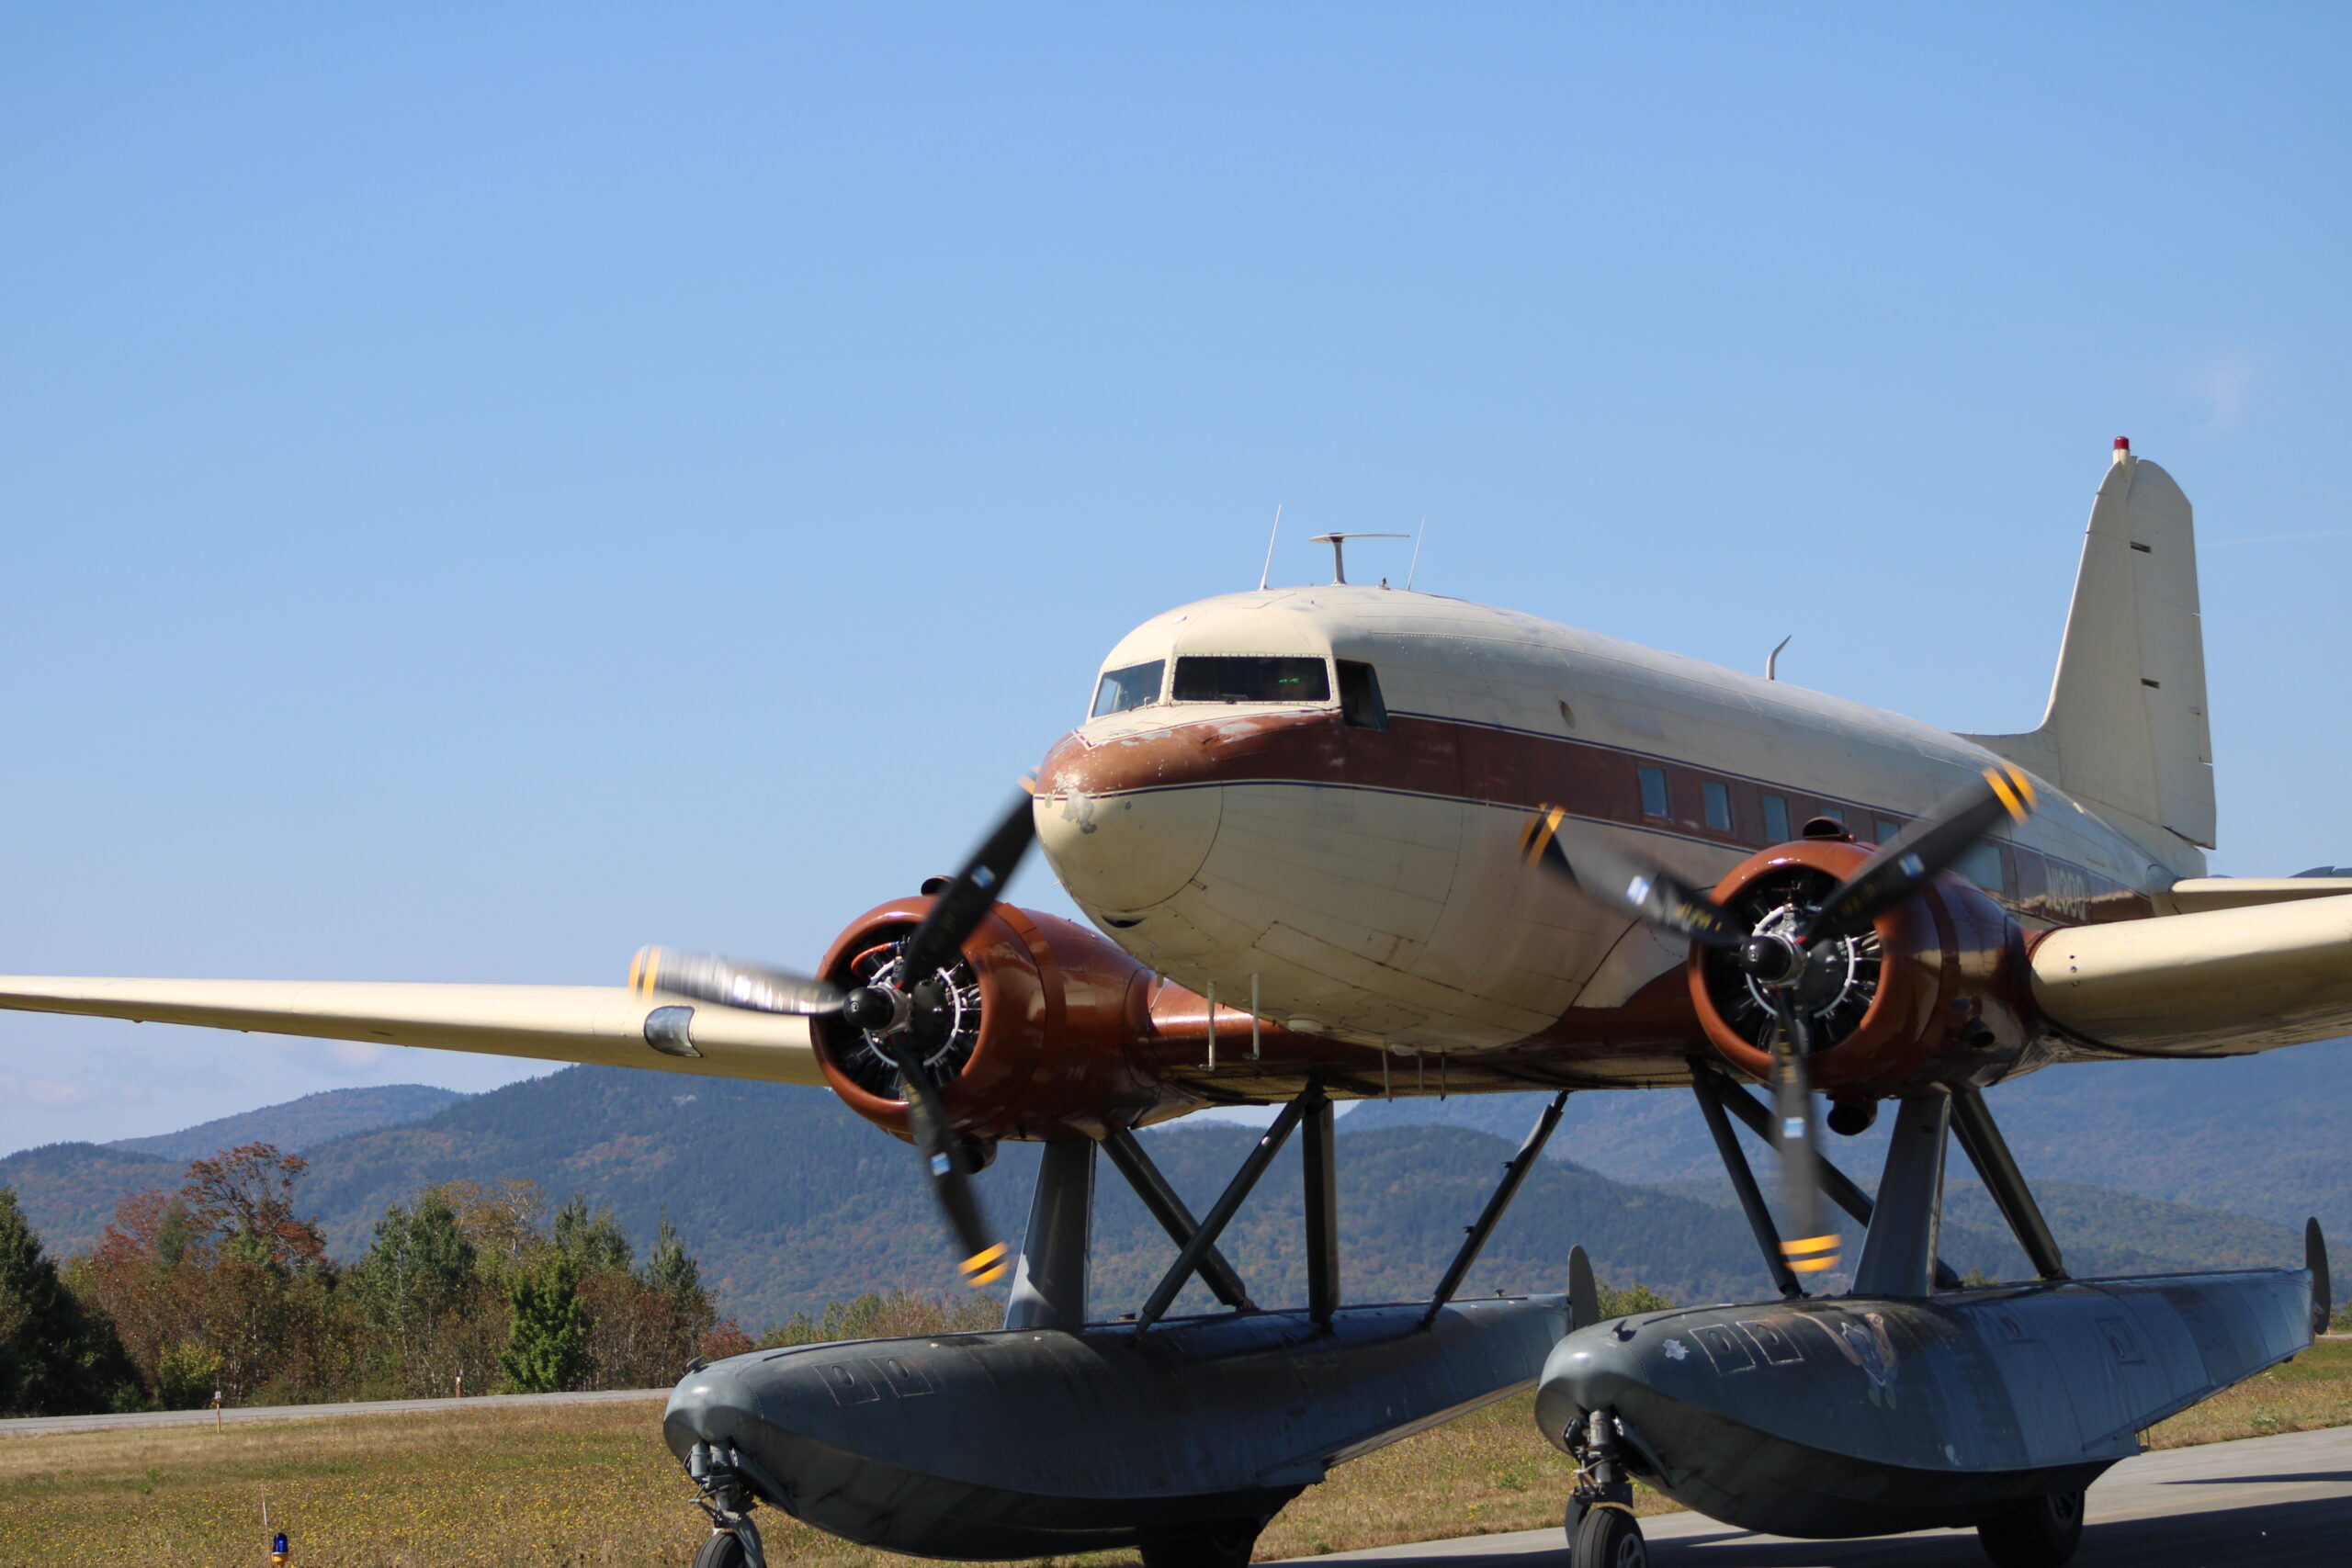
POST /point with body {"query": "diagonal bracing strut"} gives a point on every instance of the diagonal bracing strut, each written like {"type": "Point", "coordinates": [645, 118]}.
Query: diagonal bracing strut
{"type": "Point", "coordinates": [1164, 1205]}
{"type": "Point", "coordinates": [1514, 1172]}
{"type": "Point", "coordinates": [1228, 1204]}
{"type": "Point", "coordinates": [1835, 1185]}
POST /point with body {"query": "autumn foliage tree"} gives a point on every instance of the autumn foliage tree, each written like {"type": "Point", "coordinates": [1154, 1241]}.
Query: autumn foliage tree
{"type": "Point", "coordinates": [222, 1286]}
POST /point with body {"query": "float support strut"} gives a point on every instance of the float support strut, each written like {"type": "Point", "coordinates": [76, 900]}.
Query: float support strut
{"type": "Point", "coordinates": [1835, 1185]}
{"type": "Point", "coordinates": [1709, 1087]}
{"type": "Point", "coordinates": [1236, 1191]}
{"type": "Point", "coordinates": [1319, 1160]}
{"type": "Point", "coordinates": [1514, 1172]}
{"type": "Point", "coordinates": [1989, 1153]}
{"type": "Point", "coordinates": [1899, 1250]}
{"type": "Point", "coordinates": [1049, 1280]}
{"type": "Point", "coordinates": [1174, 1215]}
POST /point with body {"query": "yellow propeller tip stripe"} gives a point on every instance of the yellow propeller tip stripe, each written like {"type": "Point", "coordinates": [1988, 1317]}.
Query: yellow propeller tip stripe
{"type": "Point", "coordinates": [643, 968]}
{"type": "Point", "coordinates": [1536, 837]}
{"type": "Point", "coordinates": [985, 1267]}
{"type": "Point", "coordinates": [1813, 1265]}
{"type": "Point", "coordinates": [1809, 1244]}
{"type": "Point", "coordinates": [2015, 790]}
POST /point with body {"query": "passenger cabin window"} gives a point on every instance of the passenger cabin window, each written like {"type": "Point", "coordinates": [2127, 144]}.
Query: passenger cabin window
{"type": "Point", "coordinates": [1980, 864]}
{"type": "Point", "coordinates": [1835, 813]}
{"type": "Point", "coordinates": [1718, 799]}
{"type": "Point", "coordinates": [1360, 703]}
{"type": "Point", "coordinates": [1776, 820]}
{"type": "Point", "coordinates": [1886, 830]}
{"type": "Point", "coordinates": [1136, 686]}
{"type": "Point", "coordinates": [1653, 800]}
{"type": "Point", "coordinates": [1220, 679]}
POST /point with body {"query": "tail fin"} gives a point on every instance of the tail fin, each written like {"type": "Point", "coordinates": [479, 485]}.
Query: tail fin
{"type": "Point", "coordinates": [2126, 730]}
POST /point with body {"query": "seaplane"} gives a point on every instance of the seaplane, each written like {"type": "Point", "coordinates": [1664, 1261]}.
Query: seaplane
{"type": "Point", "coordinates": [1345, 842]}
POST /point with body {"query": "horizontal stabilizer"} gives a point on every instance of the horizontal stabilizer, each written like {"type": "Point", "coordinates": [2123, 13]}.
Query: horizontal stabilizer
{"type": "Point", "coordinates": [2222, 982]}
{"type": "Point", "coordinates": [602, 1024]}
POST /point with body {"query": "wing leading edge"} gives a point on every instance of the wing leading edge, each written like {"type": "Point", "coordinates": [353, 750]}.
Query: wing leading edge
{"type": "Point", "coordinates": [604, 1025]}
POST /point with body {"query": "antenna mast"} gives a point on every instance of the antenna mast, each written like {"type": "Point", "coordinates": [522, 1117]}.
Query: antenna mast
{"type": "Point", "coordinates": [1338, 543]}
{"type": "Point", "coordinates": [1414, 570]}
{"type": "Point", "coordinates": [1264, 570]}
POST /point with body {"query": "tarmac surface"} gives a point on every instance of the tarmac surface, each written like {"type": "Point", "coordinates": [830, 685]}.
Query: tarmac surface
{"type": "Point", "coordinates": [34, 1425]}
{"type": "Point", "coordinates": [2283, 1499]}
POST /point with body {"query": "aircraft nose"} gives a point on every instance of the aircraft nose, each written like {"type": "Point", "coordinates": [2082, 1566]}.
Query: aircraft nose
{"type": "Point", "coordinates": [1119, 832]}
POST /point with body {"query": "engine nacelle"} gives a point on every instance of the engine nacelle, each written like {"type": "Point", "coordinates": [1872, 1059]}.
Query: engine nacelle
{"type": "Point", "coordinates": [1935, 993]}
{"type": "Point", "coordinates": [1048, 1025]}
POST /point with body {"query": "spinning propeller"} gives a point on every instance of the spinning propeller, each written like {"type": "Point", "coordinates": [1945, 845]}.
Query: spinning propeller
{"type": "Point", "coordinates": [1782, 963]}
{"type": "Point", "coordinates": [907, 1010]}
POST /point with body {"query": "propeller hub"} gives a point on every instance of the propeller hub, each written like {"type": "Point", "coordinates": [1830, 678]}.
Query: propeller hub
{"type": "Point", "coordinates": [1770, 958]}
{"type": "Point", "coordinates": [876, 1009]}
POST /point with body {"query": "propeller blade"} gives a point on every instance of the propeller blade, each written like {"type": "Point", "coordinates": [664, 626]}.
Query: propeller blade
{"type": "Point", "coordinates": [959, 911]}
{"type": "Point", "coordinates": [752, 987]}
{"type": "Point", "coordinates": [1630, 882]}
{"type": "Point", "coordinates": [1921, 850]}
{"type": "Point", "coordinates": [985, 1258]}
{"type": "Point", "coordinates": [1810, 1246]}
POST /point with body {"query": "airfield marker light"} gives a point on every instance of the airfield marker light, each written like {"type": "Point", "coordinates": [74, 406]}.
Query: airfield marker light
{"type": "Point", "coordinates": [278, 1550]}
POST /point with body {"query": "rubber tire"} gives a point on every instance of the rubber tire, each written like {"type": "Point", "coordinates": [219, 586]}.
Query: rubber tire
{"type": "Point", "coordinates": [1570, 1518]}
{"type": "Point", "coordinates": [722, 1551]}
{"type": "Point", "coordinates": [2042, 1533]}
{"type": "Point", "coordinates": [1609, 1537]}
{"type": "Point", "coordinates": [1226, 1546]}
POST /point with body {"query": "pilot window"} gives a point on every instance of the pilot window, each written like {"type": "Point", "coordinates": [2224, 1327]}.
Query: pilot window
{"type": "Point", "coordinates": [1223, 679]}
{"type": "Point", "coordinates": [1360, 703]}
{"type": "Point", "coordinates": [1718, 800]}
{"type": "Point", "coordinates": [1776, 818]}
{"type": "Point", "coordinates": [1653, 801]}
{"type": "Point", "coordinates": [1136, 686]}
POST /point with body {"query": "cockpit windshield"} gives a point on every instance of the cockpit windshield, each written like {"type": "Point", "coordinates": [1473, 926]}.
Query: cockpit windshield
{"type": "Point", "coordinates": [1250, 679]}
{"type": "Point", "coordinates": [1136, 686]}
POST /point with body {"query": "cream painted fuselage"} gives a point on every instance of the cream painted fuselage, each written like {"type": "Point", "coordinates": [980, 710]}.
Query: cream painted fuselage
{"type": "Point", "coordinates": [1353, 865]}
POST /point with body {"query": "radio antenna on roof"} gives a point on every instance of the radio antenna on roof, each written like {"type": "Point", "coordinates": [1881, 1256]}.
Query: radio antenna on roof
{"type": "Point", "coordinates": [1268, 567]}
{"type": "Point", "coordinates": [1338, 543]}
{"type": "Point", "coordinates": [1413, 569]}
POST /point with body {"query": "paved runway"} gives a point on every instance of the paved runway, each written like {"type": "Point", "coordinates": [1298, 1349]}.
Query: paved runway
{"type": "Point", "coordinates": [34, 1425]}
{"type": "Point", "coordinates": [2286, 1499]}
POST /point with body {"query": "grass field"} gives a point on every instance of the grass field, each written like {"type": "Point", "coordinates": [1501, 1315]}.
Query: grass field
{"type": "Point", "coordinates": [591, 1484]}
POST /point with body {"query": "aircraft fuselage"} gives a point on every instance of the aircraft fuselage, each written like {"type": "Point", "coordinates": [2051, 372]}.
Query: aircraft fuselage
{"type": "Point", "coordinates": [1268, 819]}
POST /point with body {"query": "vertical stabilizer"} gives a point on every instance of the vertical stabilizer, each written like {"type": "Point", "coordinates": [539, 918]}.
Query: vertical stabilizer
{"type": "Point", "coordinates": [2126, 730]}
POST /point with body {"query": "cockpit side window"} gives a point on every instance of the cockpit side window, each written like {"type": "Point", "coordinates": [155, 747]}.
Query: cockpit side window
{"type": "Point", "coordinates": [1136, 686]}
{"type": "Point", "coordinates": [1218, 678]}
{"type": "Point", "coordinates": [1360, 703]}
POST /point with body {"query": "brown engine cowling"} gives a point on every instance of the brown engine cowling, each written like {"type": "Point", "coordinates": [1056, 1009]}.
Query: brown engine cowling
{"type": "Point", "coordinates": [1935, 994]}
{"type": "Point", "coordinates": [1050, 1025]}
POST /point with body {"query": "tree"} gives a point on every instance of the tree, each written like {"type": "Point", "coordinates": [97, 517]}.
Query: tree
{"type": "Point", "coordinates": [56, 1357]}
{"type": "Point", "coordinates": [417, 1289]}
{"type": "Point", "coordinates": [547, 1345]}
{"type": "Point", "coordinates": [249, 1191]}
{"type": "Point", "coordinates": [591, 1241]}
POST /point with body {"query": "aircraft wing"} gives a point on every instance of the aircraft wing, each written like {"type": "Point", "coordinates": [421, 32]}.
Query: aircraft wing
{"type": "Point", "coordinates": [2220, 983]}
{"type": "Point", "coordinates": [2198, 894]}
{"type": "Point", "coordinates": [602, 1025]}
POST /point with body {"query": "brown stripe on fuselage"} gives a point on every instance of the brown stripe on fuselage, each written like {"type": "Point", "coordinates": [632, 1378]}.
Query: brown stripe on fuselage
{"type": "Point", "coordinates": [1488, 764]}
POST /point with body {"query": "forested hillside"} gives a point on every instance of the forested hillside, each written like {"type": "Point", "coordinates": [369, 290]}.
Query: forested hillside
{"type": "Point", "coordinates": [300, 1124]}
{"type": "Point", "coordinates": [2259, 1136]}
{"type": "Point", "coordinates": [788, 1201]}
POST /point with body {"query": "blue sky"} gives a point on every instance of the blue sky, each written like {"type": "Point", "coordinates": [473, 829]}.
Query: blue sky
{"type": "Point", "coordinates": [485, 487]}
